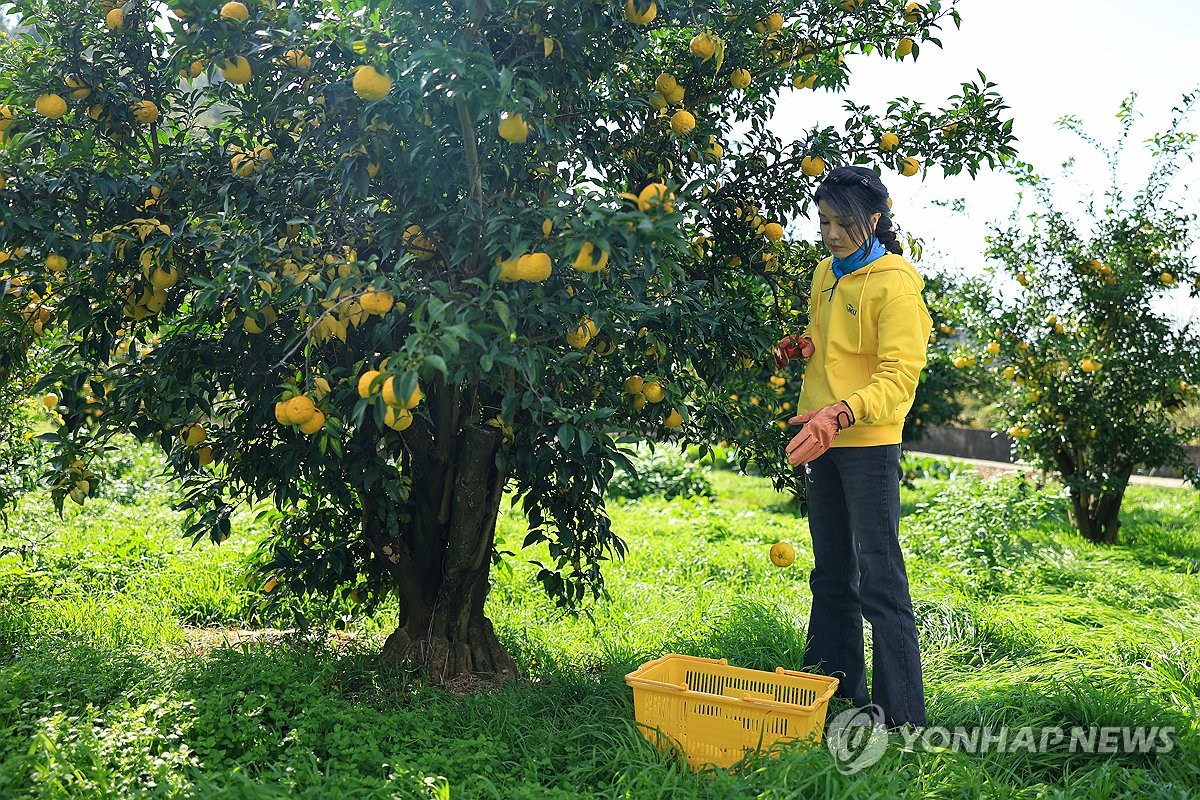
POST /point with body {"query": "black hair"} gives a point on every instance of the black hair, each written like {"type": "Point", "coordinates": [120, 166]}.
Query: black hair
{"type": "Point", "coordinates": [855, 193]}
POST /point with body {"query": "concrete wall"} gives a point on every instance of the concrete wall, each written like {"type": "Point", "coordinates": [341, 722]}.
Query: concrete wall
{"type": "Point", "coordinates": [978, 443]}
{"type": "Point", "coordinates": [989, 445]}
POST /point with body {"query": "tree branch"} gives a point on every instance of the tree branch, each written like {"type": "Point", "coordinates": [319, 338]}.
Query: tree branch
{"type": "Point", "coordinates": [471, 147]}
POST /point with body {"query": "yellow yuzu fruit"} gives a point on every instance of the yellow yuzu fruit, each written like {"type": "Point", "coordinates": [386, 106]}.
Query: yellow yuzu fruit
{"type": "Point", "coordinates": [164, 277]}
{"type": "Point", "coordinates": [51, 106]}
{"type": "Point", "coordinates": [144, 111]}
{"type": "Point", "coordinates": [237, 70]}
{"type": "Point", "coordinates": [534, 267]}
{"type": "Point", "coordinates": [782, 554]}
{"type": "Point", "coordinates": [702, 46]}
{"type": "Point", "coordinates": [666, 83]}
{"type": "Point", "coordinates": [643, 15]}
{"type": "Point", "coordinates": [297, 59]}
{"type": "Point", "coordinates": [300, 409]}
{"type": "Point", "coordinates": [79, 88]}
{"type": "Point", "coordinates": [364, 383]}
{"type": "Point", "coordinates": [235, 11]}
{"type": "Point", "coordinates": [682, 122]}
{"type": "Point", "coordinates": [586, 262]}
{"type": "Point", "coordinates": [812, 166]}
{"type": "Point", "coordinates": [579, 337]}
{"type": "Point", "coordinates": [370, 84]}
{"type": "Point", "coordinates": [315, 423]}
{"type": "Point", "coordinates": [397, 418]}
{"type": "Point", "coordinates": [513, 128]}
{"type": "Point", "coordinates": [192, 435]}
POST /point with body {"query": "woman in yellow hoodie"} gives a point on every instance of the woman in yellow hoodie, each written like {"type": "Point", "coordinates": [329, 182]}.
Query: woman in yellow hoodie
{"type": "Point", "coordinates": [865, 347]}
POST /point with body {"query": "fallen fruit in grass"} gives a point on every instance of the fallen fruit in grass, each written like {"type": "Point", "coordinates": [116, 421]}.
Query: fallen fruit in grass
{"type": "Point", "coordinates": [782, 554]}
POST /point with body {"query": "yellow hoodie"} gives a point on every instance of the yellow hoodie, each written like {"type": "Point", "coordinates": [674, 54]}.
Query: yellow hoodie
{"type": "Point", "coordinates": [870, 335]}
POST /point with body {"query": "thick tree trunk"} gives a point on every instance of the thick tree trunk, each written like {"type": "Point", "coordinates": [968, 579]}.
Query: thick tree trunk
{"type": "Point", "coordinates": [441, 554]}
{"type": "Point", "coordinates": [1096, 515]}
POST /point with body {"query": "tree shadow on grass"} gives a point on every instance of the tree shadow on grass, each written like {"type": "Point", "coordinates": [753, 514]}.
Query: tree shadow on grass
{"type": "Point", "coordinates": [1160, 538]}
{"type": "Point", "coordinates": [324, 716]}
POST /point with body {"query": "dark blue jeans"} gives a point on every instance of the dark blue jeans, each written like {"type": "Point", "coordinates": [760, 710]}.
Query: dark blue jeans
{"type": "Point", "coordinates": [854, 518]}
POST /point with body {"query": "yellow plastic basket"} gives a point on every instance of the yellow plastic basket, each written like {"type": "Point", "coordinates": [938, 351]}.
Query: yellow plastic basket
{"type": "Point", "coordinates": [715, 713]}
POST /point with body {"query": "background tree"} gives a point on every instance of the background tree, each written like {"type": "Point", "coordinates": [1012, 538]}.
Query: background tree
{"type": "Point", "coordinates": [1090, 371]}
{"type": "Point", "coordinates": [380, 262]}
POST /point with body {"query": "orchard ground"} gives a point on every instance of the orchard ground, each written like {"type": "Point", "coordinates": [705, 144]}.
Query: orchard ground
{"type": "Point", "coordinates": [116, 679]}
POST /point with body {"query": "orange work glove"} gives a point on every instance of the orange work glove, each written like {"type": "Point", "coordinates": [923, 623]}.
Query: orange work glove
{"type": "Point", "coordinates": [821, 427]}
{"type": "Point", "coordinates": [790, 347]}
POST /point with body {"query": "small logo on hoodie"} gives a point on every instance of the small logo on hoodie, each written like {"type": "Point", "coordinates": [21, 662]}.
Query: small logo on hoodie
{"type": "Point", "coordinates": [851, 310]}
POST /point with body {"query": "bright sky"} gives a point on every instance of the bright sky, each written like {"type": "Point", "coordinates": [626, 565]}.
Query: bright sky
{"type": "Point", "coordinates": [1049, 58]}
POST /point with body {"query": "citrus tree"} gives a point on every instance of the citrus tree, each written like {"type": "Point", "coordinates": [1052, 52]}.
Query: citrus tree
{"type": "Point", "coordinates": [1089, 368]}
{"type": "Point", "coordinates": [19, 411]}
{"type": "Point", "coordinates": [380, 262]}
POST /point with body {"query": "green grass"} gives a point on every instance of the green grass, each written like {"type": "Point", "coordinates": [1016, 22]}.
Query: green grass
{"type": "Point", "coordinates": [105, 693]}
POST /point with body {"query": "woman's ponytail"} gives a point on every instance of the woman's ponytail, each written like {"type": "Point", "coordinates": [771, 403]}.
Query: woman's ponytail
{"type": "Point", "coordinates": [886, 234]}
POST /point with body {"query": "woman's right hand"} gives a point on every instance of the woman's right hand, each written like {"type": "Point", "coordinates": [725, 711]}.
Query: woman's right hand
{"type": "Point", "coordinates": [790, 347]}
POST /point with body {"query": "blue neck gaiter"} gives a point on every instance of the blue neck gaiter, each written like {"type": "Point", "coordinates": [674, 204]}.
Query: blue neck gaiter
{"type": "Point", "coordinates": [871, 249]}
